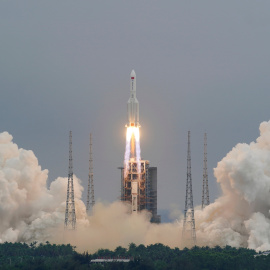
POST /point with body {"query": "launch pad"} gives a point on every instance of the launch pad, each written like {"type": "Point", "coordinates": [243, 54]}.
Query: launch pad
{"type": "Point", "coordinates": [140, 189]}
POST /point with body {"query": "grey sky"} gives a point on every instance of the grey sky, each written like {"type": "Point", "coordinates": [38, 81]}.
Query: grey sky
{"type": "Point", "coordinates": [201, 66]}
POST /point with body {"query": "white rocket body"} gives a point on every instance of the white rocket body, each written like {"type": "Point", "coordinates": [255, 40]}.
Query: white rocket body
{"type": "Point", "coordinates": [133, 103]}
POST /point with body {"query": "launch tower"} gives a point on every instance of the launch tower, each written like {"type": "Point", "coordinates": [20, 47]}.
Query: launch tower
{"type": "Point", "coordinates": [189, 233]}
{"type": "Point", "coordinates": [90, 191]}
{"type": "Point", "coordinates": [205, 190]}
{"type": "Point", "coordinates": [70, 216]}
{"type": "Point", "coordinates": [147, 197]}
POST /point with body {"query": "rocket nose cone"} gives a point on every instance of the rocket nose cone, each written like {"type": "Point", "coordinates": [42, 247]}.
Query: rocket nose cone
{"type": "Point", "coordinates": [132, 74]}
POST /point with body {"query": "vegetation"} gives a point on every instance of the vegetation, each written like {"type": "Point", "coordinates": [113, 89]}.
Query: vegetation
{"type": "Point", "coordinates": [160, 257]}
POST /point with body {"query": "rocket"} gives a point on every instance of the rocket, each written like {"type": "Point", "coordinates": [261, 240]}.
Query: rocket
{"type": "Point", "coordinates": [133, 103]}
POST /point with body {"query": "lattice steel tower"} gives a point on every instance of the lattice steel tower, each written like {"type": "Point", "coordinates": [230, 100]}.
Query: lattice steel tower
{"type": "Point", "coordinates": [90, 191]}
{"type": "Point", "coordinates": [70, 216]}
{"type": "Point", "coordinates": [205, 190]}
{"type": "Point", "coordinates": [189, 233]}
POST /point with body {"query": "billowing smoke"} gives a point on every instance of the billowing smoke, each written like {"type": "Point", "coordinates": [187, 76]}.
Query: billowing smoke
{"type": "Point", "coordinates": [240, 217]}
{"type": "Point", "coordinates": [30, 211]}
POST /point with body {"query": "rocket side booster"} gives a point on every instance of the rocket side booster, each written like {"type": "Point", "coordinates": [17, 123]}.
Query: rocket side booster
{"type": "Point", "coordinates": [133, 103]}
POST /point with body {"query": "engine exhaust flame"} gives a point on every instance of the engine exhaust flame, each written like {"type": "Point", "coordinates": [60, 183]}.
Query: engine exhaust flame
{"type": "Point", "coordinates": [133, 149]}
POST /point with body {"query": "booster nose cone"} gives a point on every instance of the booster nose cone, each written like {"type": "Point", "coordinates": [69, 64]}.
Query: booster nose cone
{"type": "Point", "coordinates": [133, 74]}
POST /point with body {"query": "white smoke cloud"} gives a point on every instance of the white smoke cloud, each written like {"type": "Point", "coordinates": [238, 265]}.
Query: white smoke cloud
{"type": "Point", "coordinates": [30, 211]}
{"type": "Point", "coordinates": [112, 225]}
{"type": "Point", "coordinates": [241, 216]}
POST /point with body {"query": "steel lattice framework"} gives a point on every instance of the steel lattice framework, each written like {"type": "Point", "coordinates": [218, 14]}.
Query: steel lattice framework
{"type": "Point", "coordinates": [90, 191]}
{"type": "Point", "coordinates": [205, 190]}
{"type": "Point", "coordinates": [189, 233]}
{"type": "Point", "coordinates": [70, 215]}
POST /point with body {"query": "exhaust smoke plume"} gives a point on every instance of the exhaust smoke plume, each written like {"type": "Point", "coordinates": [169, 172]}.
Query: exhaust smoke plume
{"type": "Point", "coordinates": [240, 217]}
{"type": "Point", "coordinates": [30, 211]}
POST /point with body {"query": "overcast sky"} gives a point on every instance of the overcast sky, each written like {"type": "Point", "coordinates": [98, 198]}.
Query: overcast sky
{"type": "Point", "coordinates": [201, 66]}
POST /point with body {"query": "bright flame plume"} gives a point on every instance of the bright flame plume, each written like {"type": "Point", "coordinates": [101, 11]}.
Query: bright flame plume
{"type": "Point", "coordinates": [133, 149]}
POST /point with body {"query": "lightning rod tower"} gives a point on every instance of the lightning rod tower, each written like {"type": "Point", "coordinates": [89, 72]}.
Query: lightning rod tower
{"type": "Point", "coordinates": [189, 233]}
{"type": "Point", "coordinates": [90, 191]}
{"type": "Point", "coordinates": [205, 190]}
{"type": "Point", "coordinates": [70, 216]}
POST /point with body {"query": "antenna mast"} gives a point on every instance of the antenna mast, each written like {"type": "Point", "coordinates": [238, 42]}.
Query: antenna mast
{"type": "Point", "coordinates": [90, 191]}
{"type": "Point", "coordinates": [189, 232]}
{"type": "Point", "coordinates": [70, 216]}
{"type": "Point", "coordinates": [205, 191]}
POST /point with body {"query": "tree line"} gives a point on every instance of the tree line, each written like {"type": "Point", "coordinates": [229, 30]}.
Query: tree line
{"type": "Point", "coordinates": [159, 257]}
